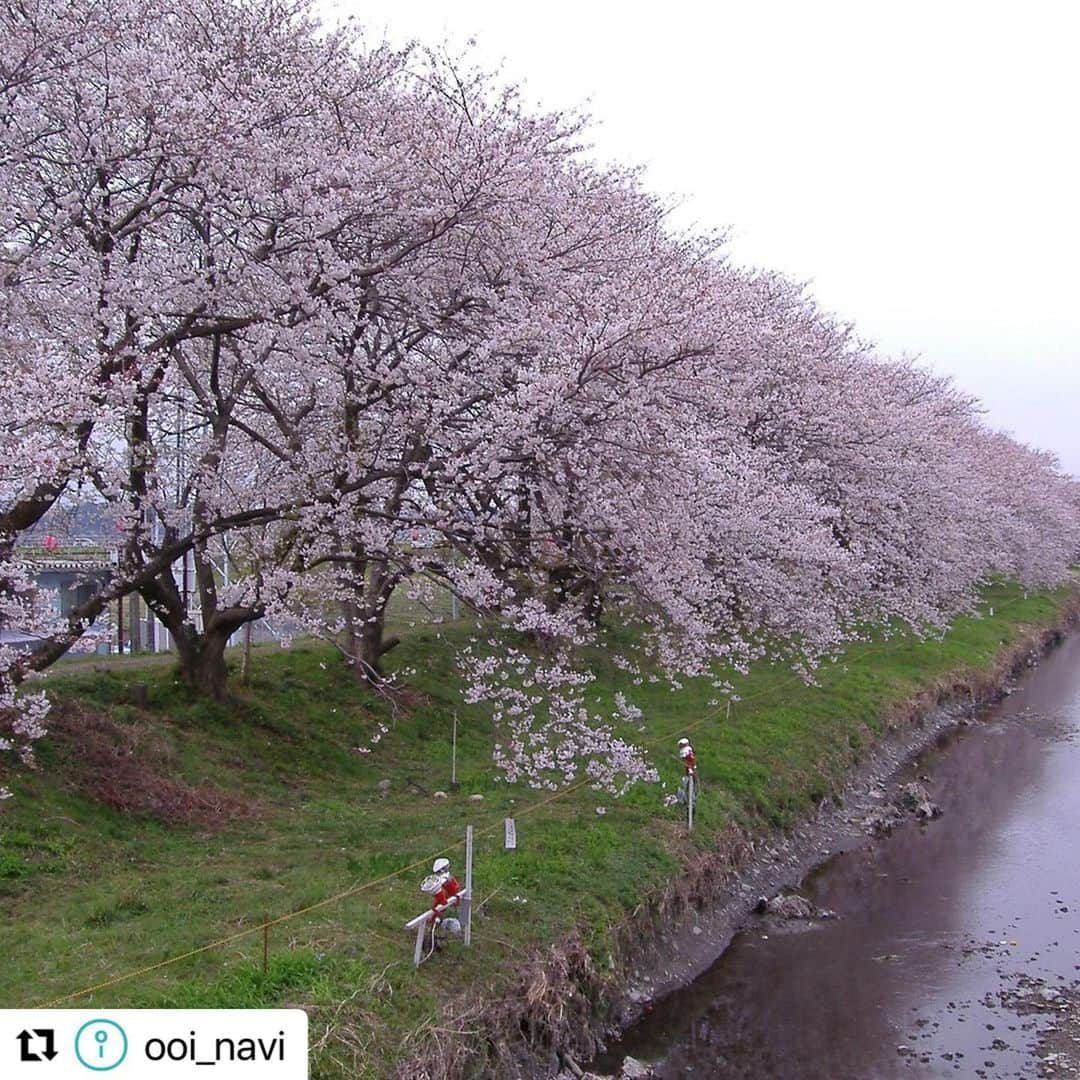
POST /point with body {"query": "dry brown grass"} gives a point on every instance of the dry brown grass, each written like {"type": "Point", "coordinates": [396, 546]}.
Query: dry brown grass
{"type": "Point", "coordinates": [124, 766]}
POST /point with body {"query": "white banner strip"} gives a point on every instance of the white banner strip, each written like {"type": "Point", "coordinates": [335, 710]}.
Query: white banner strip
{"type": "Point", "coordinates": [225, 1044]}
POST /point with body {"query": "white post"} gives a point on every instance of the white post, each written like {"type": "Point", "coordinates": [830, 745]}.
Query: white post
{"type": "Point", "coordinates": [418, 951]}
{"type": "Point", "coordinates": [690, 802]}
{"type": "Point", "coordinates": [423, 926]}
{"type": "Point", "coordinates": [468, 883]}
{"type": "Point", "coordinates": [453, 759]}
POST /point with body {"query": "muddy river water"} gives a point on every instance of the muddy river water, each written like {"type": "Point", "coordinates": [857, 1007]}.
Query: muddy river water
{"type": "Point", "coordinates": [935, 923]}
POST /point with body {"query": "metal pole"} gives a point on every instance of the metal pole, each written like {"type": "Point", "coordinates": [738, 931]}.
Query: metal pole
{"type": "Point", "coordinates": [468, 882]}
{"type": "Point", "coordinates": [690, 802]}
{"type": "Point", "coordinates": [266, 945]}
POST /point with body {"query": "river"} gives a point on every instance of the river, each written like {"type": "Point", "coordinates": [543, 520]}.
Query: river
{"type": "Point", "coordinates": [934, 923]}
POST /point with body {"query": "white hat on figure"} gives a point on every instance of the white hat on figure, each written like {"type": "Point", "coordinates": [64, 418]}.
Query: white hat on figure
{"type": "Point", "coordinates": [440, 871]}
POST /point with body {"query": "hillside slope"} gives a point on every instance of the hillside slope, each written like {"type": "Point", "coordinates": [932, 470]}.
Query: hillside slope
{"type": "Point", "coordinates": [150, 832]}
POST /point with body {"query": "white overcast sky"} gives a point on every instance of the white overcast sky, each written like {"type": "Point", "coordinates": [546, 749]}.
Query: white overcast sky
{"type": "Point", "coordinates": [917, 163]}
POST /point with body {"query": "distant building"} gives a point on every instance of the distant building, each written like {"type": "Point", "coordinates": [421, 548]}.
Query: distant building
{"type": "Point", "coordinates": [71, 576]}
{"type": "Point", "coordinates": [67, 576]}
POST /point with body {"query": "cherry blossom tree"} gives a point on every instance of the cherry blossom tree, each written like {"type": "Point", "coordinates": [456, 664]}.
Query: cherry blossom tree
{"type": "Point", "coordinates": [318, 321]}
{"type": "Point", "coordinates": [185, 176]}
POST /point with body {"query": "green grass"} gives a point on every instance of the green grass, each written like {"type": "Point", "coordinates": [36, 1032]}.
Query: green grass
{"type": "Point", "coordinates": [90, 893]}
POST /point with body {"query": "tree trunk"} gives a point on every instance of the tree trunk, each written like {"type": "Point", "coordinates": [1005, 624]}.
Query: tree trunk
{"type": "Point", "coordinates": [202, 660]}
{"type": "Point", "coordinates": [366, 642]}
{"type": "Point", "coordinates": [373, 645]}
{"type": "Point", "coordinates": [201, 653]}
{"type": "Point", "coordinates": [134, 623]}
{"type": "Point", "coordinates": [594, 602]}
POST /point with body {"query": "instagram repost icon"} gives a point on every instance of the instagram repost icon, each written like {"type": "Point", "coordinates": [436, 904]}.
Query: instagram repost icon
{"type": "Point", "coordinates": [101, 1045]}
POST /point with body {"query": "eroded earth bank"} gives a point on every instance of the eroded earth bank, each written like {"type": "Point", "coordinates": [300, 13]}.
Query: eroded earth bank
{"type": "Point", "coordinates": [955, 946]}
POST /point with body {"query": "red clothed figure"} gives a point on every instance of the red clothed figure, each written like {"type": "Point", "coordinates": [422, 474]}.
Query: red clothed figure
{"type": "Point", "coordinates": [447, 892]}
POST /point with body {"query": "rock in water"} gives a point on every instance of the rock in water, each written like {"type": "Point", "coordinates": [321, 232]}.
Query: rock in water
{"type": "Point", "coordinates": [791, 907]}
{"type": "Point", "coordinates": [910, 795]}
{"type": "Point", "coordinates": [882, 822]}
{"type": "Point", "coordinates": [632, 1069]}
{"type": "Point", "coordinates": [916, 799]}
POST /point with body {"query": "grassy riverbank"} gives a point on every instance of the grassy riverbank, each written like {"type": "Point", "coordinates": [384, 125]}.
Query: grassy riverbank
{"type": "Point", "coordinates": [161, 829]}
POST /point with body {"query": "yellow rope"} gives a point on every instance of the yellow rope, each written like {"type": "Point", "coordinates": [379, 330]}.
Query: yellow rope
{"type": "Point", "coordinates": [368, 885]}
